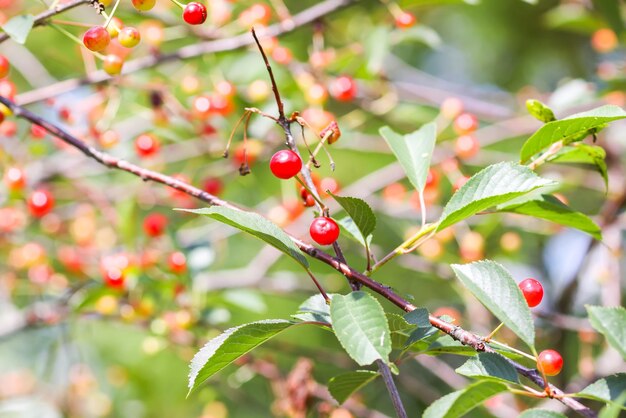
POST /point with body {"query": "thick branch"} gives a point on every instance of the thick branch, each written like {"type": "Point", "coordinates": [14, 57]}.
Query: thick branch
{"type": "Point", "coordinates": [228, 44]}
{"type": "Point", "coordinates": [465, 337]}
{"type": "Point", "coordinates": [43, 17]}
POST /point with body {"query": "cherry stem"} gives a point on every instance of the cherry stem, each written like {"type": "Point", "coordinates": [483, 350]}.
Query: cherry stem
{"type": "Point", "coordinates": [409, 245]}
{"type": "Point", "coordinates": [490, 336]}
{"type": "Point", "coordinates": [179, 4]}
{"type": "Point", "coordinates": [515, 350]}
{"type": "Point", "coordinates": [279, 103]}
{"type": "Point", "coordinates": [319, 286]}
{"type": "Point", "coordinates": [75, 39]}
{"type": "Point", "coordinates": [108, 21]}
{"type": "Point", "coordinates": [70, 23]}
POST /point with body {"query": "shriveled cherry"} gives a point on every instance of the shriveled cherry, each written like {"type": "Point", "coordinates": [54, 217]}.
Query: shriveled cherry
{"type": "Point", "coordinates": [96, 38]}
{"type": "Point", "coordinates": [532, 291]}
{"type": "Point", "coordinates": [550, 362]}
{"type": "Point", "coordinates": [324, 230]}
{"type": "Point", "coordinates": [40, 203]}
{"type": "Point", "coordinates": [285, 164]}
{"type": "Point", "coordinates": [177, 262]}
{"type": "Point", "coordinates": [154, 224]}
{"type": "Point", "coordinates": [344, 89]}
{"type": "Point", "coordinates": [146, 145]}
{"type": "Point", "coordinates": [194, 13]}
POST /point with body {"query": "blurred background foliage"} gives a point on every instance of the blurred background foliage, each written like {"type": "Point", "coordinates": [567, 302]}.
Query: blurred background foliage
{"type": "Point", "coordinates": [108, 353]}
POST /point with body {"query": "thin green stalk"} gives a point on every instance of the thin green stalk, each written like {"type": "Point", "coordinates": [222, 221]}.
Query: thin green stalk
{"type": "Point", "coordinates": [74, 38]}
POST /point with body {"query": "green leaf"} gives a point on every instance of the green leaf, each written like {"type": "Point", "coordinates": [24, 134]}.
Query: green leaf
{"type": "Point", "coordinates": [361, 327]}
{"type": "Point", "coordinates": [376, 49]}
{"type": "Point", "coordinates": [413, 151]}
{"type": "Point", "coordinates": [540, 111]}
{"type": "Point", "coordinates": [448, 345]}
{"type": "Point", "coordinates": [611, 322]}
{"type": "Point", "coordinates": [575, 127]}
{"type": "Point", "coordinates": [492, 186]}
{"type": "Point", "coordinates": [19, 27]}
{"type": "Point", "coordinates": [540, 413]}
{"type": "Point", "coordinates": [256, 225]}
{"type": "Point", "coordinates": [229, 346]}
{"type": "Point", "coordinates": [344, 385]}
{"type": "Point", "coordinates": [614, 409]}
{"type": "Point", "coordinates": [489, 366]}
{"type": "Point", "coordinates": [611, 11]}
{"type": "Point", "coordinates": [360, 212]}
{"type": "Point", "coordinates": [418, 317]}
{"type": "Point", "coordinates": [459, 403]}
{"type": "Point", "coordinates": [494, 287]}
{"type": "Point", "coordinates": [419, 33]}
{"type": "Point", "coordinates": [584, 154]}
{"type": "Point", "coordinates": [608, 389]}
{"type": "Point", "coordinates": [315, 309]}
{"type": "Point", "coordinates": [551, 209]}
{"type": "Point", "coordinates": [348, 225]}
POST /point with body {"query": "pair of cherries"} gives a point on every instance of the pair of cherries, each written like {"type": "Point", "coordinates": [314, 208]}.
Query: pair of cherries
{"type": "Point", "coordinates": [286, 164]}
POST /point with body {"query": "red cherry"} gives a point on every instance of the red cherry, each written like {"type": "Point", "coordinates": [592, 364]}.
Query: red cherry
{"type": "Point", "coordinates": [214, 186]}
{"type": "Point", "coordinates": [194, 13]}
{"type": "Point", "coordinates": [221, 105]}
{"type": "Point", "coordinates": [550, 362]}
{"type": "Point", "coordinates": [154, 224]}
{"type": "Point", "coordinates": [14, 178]}
{"type": "Point", "coordinates": [146, 145]}
{"type": "Point", "coordinates": [532, 291]}
{"type": "Point", "coordinates": [465, 123]}
{"type": "Point", "coordinates": [285, 164]}
{"type": "Point", "coordinates": [114, 278]}
{"type": "Point", "coordinates": [38, 132]}
{"type": "Point", "coordinates": [343, 89]}
{"type": "Point", "coordinates": [405, 20]}
{"type": "Point", "coordinates": [466, 147]}
{"type": "Point", "coordinates": [40, 203]}
{"type": "Point", "coordinates": [4, 66]}
{"type": "Point", "coordinates": [177, 262]}
{"type": "Point", "coordinates": [432, 179]}
{"type": "Point", "coordinates": [307, 198]}
{"type": "Point", "coordinates": [324, 230]}
{"type": "Point", "coordinates": [96, 38]}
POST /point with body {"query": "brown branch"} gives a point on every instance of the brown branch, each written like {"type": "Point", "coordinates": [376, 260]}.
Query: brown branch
{"type": "Point", "coordinates": [42, 18]}
{"type": "Point", "coordinates": [279, 102]}
{"type": "Point", "coordinates": [228, 44]}
{"type": "Point", "coordinates": [463, 336]}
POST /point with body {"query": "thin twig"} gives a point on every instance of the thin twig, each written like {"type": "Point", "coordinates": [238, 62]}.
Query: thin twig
{"type": "Point", "coordinates": [279, 102]}
{"type": "Point", "coordinates": [459, 334]}
{"type": "Point", "coordinates": [391, 388]}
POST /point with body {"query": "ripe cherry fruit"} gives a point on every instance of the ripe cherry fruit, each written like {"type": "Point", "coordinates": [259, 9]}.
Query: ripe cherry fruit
{"type": "Point", "coordinates": [96, 38]}
{"type": "Point", "coordinates": [4, 66]}
{"type": "Point", "coordinates": [285, 164]}
{"type": "Point", "coordinates": [465, 123]}
{"type": "Point", "coordinates": [550, 362]}
{"type": "Point", "coordinates": [146, 145]}
{"type": "Point", "coordinates": [40, 203]}
{"type": "Point", "coordinates": [177, 262]}
{"type": "Point", "coordinates": [194, 13]}
{"type": "Point", "coordinates": [114, 278]}
{"type": "Point", "coordinates": [14, 178]}
{"type": "Point", "coordinates": [154, 224]}
{"type": "Point", "coordinates": [344, 89]}
{"type": "Point", "coordinates": [324, 230]}
{"type": "Point", "coordinates": [405, 20]}
{"type": "Point", "coordinates": [532, 291]}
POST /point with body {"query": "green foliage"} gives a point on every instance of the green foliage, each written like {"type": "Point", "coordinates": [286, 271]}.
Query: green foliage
{"type": "Point", "coordinates": [583, 154]}
{"type": "Point", "coordinates": [489, 366]}
{"type": "Point", "coordinates": [495, 288]}
{"type": "Point", "coordinates": [19, 27]}
{"type": "Point", "coordinates": [229, 346]}
{"type": "Point", "coordinates": [255, 225]}
{"type": "Point", "coordinates": [540, 111]}
{"type": "Point", "coordinates": [492, 186]}
{"type": "Point", "coordinates": [611, 322]}
{"type": "Point", "coordinates": [459, 403]}
{"type": "Point", "coordinates": [361, 327]}
{"type": "Point", "coordinates": [608, 389]}
{"type": "Point", "coordinates": [571, 129]}
{"type": "Point", "coordinates": [315, 309]}
{"type": "Point", "coordinates": [361, 215]}
{"type": "Point", "coordinates": [540, 413]}
{"type": "Point", "coordinates": [344, 385]}
{"type": "Point", "coordinates": [551, 209]}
